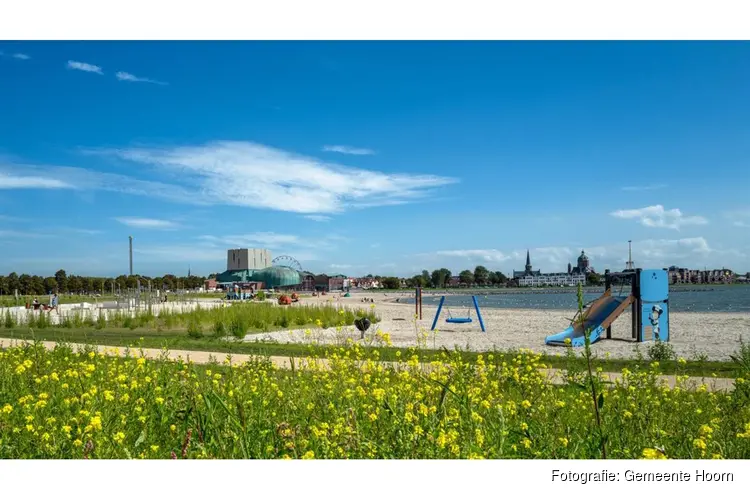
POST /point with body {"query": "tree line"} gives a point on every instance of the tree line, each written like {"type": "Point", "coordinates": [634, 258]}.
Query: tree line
{"type": "Point", "coordinates": [61, 282]}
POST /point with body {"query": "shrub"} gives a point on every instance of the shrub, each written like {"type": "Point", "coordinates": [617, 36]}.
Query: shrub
{"type": "Point", "coordinates": [261, 295]}
{"type": "Point", "coordinates": [661, 351]}
{"type": "Point", "coordinates": [9, 321]}
{"type": "Point", "coordinates": [195, 330]}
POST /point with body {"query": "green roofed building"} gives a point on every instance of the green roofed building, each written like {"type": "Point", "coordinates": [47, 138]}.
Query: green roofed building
{"type": "Point", "coordinates": [278, 277]}
{"type": "Point", "coordinates": [240, 263]}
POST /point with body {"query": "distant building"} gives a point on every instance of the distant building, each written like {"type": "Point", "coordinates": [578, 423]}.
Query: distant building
{"type": "Point", "coordinates": [338, 282]}
{"type": "Point", "coordinates": [248, 258]}
{"type": "Point", "coordinates": [210, 284]}
{"type": "Point", "coordinates": [367, 282]}
{"type": "Point", "coordinates": [530, 277]}
{"type": "Point", "coordinates": [681, 275]}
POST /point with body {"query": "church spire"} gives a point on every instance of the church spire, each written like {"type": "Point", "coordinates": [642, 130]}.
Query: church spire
{"type": "Point", "coordinates": [528, 261]}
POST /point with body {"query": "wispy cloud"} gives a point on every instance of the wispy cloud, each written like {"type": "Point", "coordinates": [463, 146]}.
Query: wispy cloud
{"type": "Point", "coordinates": [489, 255]}
{"type": "Point", "coordinates": [657, 216]}
{"type": "Point", "coordinates": [648, 187]}
{"type": "Point", "coordinates": [318, 218]}
{"type": "Point", "coordinates": [29, 176]}
{"type": "Point", "coordinates": [340, 266]}
{"type": "Point", "coordinates": [129, 77]}
{"type": "Point", "coordinates": [82, 66]}
{"type": "Point", "coordinates": [9, 181]}
{"type": "Point", "coordinates": [11, 233]}
{"type": "Point", "coordinates": [349, 150]}
{"type": "Point", "coordinates": [145, 223]}
{"type": "Point", "coordinates": [739, 218]}
{"type": "Point", "coordinates": [269, 178]}
{"type": "Point", "coordinates": [20, 56]}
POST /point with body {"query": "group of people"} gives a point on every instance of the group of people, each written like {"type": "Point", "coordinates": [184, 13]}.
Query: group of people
{"type": "Point", "coordinates": [53, 302]}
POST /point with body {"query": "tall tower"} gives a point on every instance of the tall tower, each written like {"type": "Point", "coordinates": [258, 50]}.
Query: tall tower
{"type": "Point", "coordinates": [130, 238]}
{"type": "Point", "coordinates": [629, 263]}
{"type": "Point", "coordinates": [528, 262]}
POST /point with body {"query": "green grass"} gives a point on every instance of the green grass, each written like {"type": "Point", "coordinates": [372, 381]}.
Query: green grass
{"type": "Point", "coordinates": [10, 300]}
{"type": "Point", "coordinates": [62, 403]}
{"type": "Point", "coordinates": [149, 338]}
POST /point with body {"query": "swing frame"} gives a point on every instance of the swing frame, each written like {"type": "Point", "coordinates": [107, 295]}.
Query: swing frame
{"type": "Point", "coordinates": [458, 320]}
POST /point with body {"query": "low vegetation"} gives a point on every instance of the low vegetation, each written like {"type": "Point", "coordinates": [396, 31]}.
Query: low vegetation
{"type": "Point", "coordinates": [66, 404]}
{"type": "Point", "coordinates": [236, 320]}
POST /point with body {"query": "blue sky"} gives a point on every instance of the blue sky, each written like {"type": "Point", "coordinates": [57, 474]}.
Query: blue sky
{"type": "Point", "coordinates": [378, 157]}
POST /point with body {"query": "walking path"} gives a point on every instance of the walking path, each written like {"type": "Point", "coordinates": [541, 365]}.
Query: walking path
{"type": "Point", "coordinates": [554, 375]}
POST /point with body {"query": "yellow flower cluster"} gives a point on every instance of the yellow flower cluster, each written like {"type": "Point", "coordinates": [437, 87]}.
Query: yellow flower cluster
{"type": "Point", "coordinates": [65, 404]}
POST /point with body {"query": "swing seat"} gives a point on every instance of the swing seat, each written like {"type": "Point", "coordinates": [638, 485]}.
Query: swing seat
{"type": "Point", "coordinates": [458, 320]}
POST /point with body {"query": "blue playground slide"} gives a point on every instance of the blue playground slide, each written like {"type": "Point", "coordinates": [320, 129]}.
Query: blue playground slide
{"type": "Point", "coordinates": [599, 315]}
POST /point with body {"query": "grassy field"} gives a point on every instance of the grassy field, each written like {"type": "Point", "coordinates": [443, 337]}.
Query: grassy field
{"type": "Point", "coordinates": [65, 404]}
{"type": "Point", "coordinates": [181, 340]}
{"type": "Point", "coordinates": [10, 300]}
{"type": "Point", "coordinates": [238, 319]}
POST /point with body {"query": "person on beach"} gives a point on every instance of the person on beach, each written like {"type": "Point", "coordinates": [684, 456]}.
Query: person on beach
{"type": "Point", "coordinates": [53, 303]}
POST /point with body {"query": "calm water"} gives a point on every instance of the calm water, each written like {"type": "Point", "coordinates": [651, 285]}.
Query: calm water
{"type": "Point", "coordinates": [720, 299]}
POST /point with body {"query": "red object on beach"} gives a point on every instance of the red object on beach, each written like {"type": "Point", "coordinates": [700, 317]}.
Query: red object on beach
{"type": "Point", "coordinates": [285, 300]}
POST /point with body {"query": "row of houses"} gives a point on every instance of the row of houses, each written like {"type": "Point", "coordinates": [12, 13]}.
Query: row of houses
{"type": "Point", "coordinates": [681, 275]}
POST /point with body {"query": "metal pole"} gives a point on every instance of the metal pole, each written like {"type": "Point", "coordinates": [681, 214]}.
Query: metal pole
{"type": "Point", "coordinates": [479, 314]}
{"type": "Point", "coordinates": [130, 239]}
{"type": "Point", "coordinates": [437, 314]}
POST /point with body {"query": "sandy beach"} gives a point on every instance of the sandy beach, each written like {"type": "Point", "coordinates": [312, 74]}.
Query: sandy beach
{"type": "Point", "coordinates": [716, 335]}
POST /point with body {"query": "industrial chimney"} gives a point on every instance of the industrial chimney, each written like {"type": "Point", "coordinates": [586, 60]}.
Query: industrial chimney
{"type": "Point", "coordinates": [131, 255]}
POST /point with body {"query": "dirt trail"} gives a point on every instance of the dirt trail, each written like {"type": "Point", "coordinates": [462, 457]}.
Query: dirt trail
{"type": "Point", "coordinates": [554, 375]}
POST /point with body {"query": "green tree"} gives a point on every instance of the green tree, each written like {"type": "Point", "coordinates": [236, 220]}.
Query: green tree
{"type": "Point", "coordinates": [426, 278]}
{"type": "Point", "coordinates": [466, 277]}
{"type": "Point", "coordinates": [481, 275]}
{"type": "Point", "coordinates": [62, 280]}
{"type": "Point", "coordinates": [391, 283]}
{"type": "Point", "coordinates": [593, 279]}
{"type": "Point", "coordinates": [13, 283]}
{"type": "Point", "coordinates": [440, 277]}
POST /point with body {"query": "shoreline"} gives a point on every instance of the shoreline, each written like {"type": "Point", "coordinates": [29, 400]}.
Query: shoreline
{"type": "Point", "coordinates": [715, 335]}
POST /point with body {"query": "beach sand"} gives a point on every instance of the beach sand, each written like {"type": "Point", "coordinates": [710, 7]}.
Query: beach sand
{"type": "Point", "coordinates": [715, 335]}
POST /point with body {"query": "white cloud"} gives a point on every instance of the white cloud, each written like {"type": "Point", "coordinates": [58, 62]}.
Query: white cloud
{"type": "Point", "coordinates": [318, 218]}
{"type": "Point", "coordinates": [340, 266]}
{"type": "Point", "coordinates": [254, 175]}
{"type": "Point", "coordinates": [271, 240]}
{"type": "Point", "coordinates": [144, 223]}
{"type": "Point", "coordinates": [349, 150]}
{"type": "Point", "coordinates": [657, 216]}
{"type": "Point", "coordinates": [491, 255]}
{"type": "Point", "coordinates": [10, 233]}
{"type": "Point", "coordinates": [739, 218]}
{"type": "Point", "coordinates": [648, 187]}
{"type": "Point", "coordinates": [82, 66]}
{"type": "Point", "coordinates": [8, 181]}
{"type": "Point", "coordinates": [128, 77]}
{"type": "Point", "coordinates": [21, 56]}
{"type": "Point", "coordinates": [20, 176]}
{"type": "Point", "coordinates": [182, 253]}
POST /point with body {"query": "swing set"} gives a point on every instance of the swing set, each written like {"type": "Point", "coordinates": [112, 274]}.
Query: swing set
{"type": "Point", "coordinates": [458, 319]}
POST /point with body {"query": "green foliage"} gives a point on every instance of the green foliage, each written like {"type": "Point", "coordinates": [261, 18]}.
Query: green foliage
{"type": "Point", "coordinates": [661, 351]}
{"type": "Point", "coordinates": [194, 329]}
{"type": "Point", "coordinates": [261, 295]}
{"type": "Point", "coordinates": [257, 410]}
{"type": "Point", "coordinates": [9, 321]}
{"type": "Point", "coordinates": [391, 283]}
